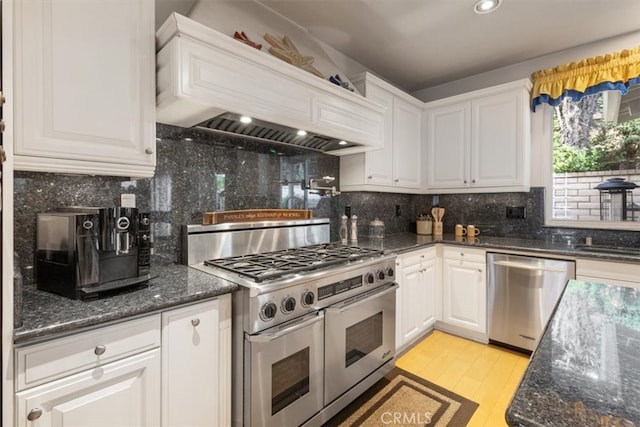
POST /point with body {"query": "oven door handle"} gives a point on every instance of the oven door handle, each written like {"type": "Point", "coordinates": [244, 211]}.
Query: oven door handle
{"type": "Point", "coordinates": [362, 299]}
{"type": "Point", "coordinates": [286, 328]}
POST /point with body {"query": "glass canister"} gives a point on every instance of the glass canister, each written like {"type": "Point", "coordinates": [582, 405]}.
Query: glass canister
{"type": "Point", "coordinates": [376, 229]}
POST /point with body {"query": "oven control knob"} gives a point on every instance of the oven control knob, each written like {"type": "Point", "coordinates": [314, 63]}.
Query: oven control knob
{"type": "Point", "coordinates": [369, 278]}
{"type": "Point", "coordinates": [380, 274]}
{"type": "Point", "coordinates": [288, 305]}
{"type": "Point", "coordinates": [268, 311]}
{"type": "Point", "coordinates": [389, 272]}
{"type": "Point", "coordinates": [308, 298]}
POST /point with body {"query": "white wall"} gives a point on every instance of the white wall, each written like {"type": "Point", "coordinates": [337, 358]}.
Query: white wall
{"type": "Point", "coordinates": [525, 69]}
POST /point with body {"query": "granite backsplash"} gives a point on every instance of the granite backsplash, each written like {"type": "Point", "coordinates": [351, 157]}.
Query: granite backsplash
{"type": "Point", "coordinates": [199, 171]}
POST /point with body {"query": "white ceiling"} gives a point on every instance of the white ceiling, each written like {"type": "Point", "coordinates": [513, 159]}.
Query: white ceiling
{"type": "Point", "coordinates": [417, 44]}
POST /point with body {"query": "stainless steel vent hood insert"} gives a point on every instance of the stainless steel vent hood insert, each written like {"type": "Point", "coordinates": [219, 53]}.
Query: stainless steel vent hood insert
{"type": "Point", "coordinates": [230, 123]}
{"type": "Point", "coordinates": [207, 79]}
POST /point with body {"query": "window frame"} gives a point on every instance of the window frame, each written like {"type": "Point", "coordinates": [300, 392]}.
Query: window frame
{"type": "Point", "coordinates": [546, 162]}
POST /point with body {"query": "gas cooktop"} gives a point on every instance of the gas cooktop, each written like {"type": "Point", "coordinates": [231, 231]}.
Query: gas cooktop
{"type": "Point", "coordinates": [270, 265]}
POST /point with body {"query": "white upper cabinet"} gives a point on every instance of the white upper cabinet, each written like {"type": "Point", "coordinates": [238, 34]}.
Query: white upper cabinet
{"type": "Point", "coordinates": [448, 160]}
{"type": "Point", "coordinates": [480, 141]}
{"type": "Point", "coordinates": [85, 87]}
{"type": "Point", "coordinates": [397, 166]}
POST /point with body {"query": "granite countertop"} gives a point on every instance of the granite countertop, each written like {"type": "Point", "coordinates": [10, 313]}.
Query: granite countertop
{"type": "Point", "coordinates": [404, 242]}
{"type": "Point", "coordinates": [584, 371]}
{"type": "Point", "coordinates": [45, 314]}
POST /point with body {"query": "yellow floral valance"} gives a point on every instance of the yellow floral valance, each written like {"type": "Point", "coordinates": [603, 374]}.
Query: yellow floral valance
{"type": "Point", "coordinates": [614, 71]}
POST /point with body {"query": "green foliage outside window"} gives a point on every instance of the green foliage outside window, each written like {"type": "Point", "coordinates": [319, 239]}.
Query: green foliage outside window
{"type": "Point", "coordinates": [583, 142]}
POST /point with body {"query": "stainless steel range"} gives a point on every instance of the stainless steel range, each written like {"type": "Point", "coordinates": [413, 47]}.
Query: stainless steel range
{"type": "Point", "coordinates": [314, 322]}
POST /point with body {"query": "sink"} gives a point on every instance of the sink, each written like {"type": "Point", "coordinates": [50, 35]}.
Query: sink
{"type": "Point", "coordinates": [617, 250]}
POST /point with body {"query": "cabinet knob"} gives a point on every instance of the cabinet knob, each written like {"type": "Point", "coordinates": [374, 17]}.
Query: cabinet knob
{"type": "Point", "coordinates": [148, 151]}
{"type": "Point", "coordinates": [396, 180]}
{"type": "Point", "coordinates": [100, 350]}
{"type": "Point", "coordinates": [34, 414]}
{"type": "Point", "coordinates": [461, 254]}
{"type": "Point", "coordinates": [195, 322]}
{"type": "Point", "coordinates": [370, 177]}
{"type": "Point", "coordinates": [473, 181]}
{"type": "Point", "coordinates": [465, 181]}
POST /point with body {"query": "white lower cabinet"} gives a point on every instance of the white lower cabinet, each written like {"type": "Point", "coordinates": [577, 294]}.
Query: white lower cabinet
{"type": "Point", "coordinates": [196, 365]}
{"type": "Point", "coordinates": [122, 393]}
{"type": "Point", "coordinates": [418, 302]}
{"type": "Point", "coordinates": [608, 272]}
{"type": "Point", "coordinates": [169, 369]}
{"type": "Point", "coordinates": [465, 289]}
{"type": "Point", "coordinates": [125, 391]}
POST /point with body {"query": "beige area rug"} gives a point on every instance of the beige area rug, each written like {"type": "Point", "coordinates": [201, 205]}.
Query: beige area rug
{"type": "Point", "coordinates": [403, 399]}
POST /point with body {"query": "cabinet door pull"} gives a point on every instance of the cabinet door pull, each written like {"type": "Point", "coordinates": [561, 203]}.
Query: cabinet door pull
{"type": "Point", "coordinates": [148, 151]}
{"type": "Point", "coordinates": [34, 414]}
{"type": "Point", "coordinates": [100, 350]}
{"type": "Point", "coordinates": [195, 322]}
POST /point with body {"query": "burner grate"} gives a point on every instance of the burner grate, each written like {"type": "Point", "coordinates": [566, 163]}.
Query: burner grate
{"type": "Point", "coordinates": [272, 265]}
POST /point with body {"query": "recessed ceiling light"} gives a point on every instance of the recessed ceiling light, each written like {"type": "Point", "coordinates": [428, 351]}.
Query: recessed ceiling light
{"type": "Point", "coordinates": [187, 139]}
{"type": "Point", "coordinates": [486, 6]}
{"type": "Point", "coordinates": [342, 143]}
{"type": "Point", "coordinates": [245, 119]}
{"type": "Point", "coordinates": [302, 132]}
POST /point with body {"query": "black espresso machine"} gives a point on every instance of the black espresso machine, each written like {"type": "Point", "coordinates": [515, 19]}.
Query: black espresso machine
{"type": "Point", "coordinates": [83, 252]}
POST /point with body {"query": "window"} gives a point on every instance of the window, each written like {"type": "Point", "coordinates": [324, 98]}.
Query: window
{"type": "Point", "coordinates": [595, 161]}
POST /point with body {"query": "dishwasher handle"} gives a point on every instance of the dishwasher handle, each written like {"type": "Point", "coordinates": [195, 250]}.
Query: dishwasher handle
{"type": "Point", "coordinates": [522, 266]}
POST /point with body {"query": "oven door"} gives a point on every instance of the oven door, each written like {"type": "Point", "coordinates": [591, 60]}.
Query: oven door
{"type": "Point", "coordinates": [360, 337]}
{"type": "Point", "coordinates": [283, 372]}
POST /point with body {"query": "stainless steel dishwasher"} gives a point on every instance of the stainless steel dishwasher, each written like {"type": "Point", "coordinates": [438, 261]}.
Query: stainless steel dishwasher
{"type": "Point", "coordinates": [523, 291]}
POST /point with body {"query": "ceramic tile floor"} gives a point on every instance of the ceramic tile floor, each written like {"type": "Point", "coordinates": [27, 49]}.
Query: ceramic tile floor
{"type": "Point", "coordinates": [486, 374]}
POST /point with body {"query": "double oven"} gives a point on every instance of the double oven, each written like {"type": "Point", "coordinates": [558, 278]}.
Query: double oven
{"type": "Point", "coordinates": [313, 324]}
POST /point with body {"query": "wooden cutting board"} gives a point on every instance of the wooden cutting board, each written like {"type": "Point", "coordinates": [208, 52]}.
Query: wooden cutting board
{"type": "Point", "coordinates": [248, 215]}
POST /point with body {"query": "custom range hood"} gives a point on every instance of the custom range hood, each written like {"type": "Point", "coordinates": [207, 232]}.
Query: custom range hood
{"type": "Point", "coordinates": [209, 80]}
